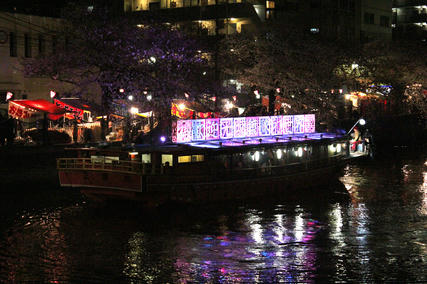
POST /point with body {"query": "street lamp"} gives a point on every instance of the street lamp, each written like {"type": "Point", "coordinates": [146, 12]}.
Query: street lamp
{"type": "Point", "coordinates": [361, 121]}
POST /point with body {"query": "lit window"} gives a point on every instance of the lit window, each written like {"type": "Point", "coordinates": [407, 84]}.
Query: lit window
{"type": "Point", "coordinates": [192, 158]}
{"type": "Point", "coordinates": [184, 159]}
{"type": "Point", "coordinates": [197, 158]}
{"type": "Point", "coordinates": [146, 158]}
{"type": "Point", "coordinates": [167, 159]}
{"type": "Point", "coordinates": [270, 4]}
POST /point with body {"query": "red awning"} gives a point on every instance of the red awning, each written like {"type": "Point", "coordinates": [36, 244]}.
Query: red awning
{"type": "Point", "coordinates": [24, 109]}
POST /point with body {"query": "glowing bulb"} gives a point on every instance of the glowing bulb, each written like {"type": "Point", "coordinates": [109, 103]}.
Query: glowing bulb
{"type": "Point", "coordinates": [9, 95]}
{"type": "Point", "coordinates": [52, 94]}
{"type": "Point", "coordinates": [134, 110]}
{"type": "Point", "coordinates": [256, 156]}
{"type": "Point", "coordinates": [279, 153]}
{"type": "Point", "coordinates": [228, 106]}
{"type": "Point", "coordinates": [181, 107]}
{"type": "Point", "coordinates": [362, 121]}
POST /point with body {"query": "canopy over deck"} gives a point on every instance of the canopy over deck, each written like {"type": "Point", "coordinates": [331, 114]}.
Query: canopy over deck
{"type": "Point", "coordinates": [29, 109]}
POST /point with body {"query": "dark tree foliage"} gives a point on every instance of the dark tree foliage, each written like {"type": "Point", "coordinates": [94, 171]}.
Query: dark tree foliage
{"type": "Point", "coordinates": [400, 65]}
{"type": "Point", "coordinates": [299, 66]}
{"type": "Point", "coordinates": [116, 52]}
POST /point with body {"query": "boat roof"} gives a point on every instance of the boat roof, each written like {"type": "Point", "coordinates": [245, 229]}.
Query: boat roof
{"type": "Point", "coordinates": [229, 145]}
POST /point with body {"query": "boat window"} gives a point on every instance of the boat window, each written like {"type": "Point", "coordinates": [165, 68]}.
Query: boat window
{"type": "Point", "coordinates": [146, 158]}
{"type": "Point", "coordinates": [197, 158]}
{"type": "Point", "coordinates": [192, 158]}
{"type": "Point", "coordinates": [167, 158]}
{"type": "Point", "coordinates": [184, 159]}
{"type": "Point", "coordinates": [111, 160]}
{"type": "Point", "coordinates": [97, 159]}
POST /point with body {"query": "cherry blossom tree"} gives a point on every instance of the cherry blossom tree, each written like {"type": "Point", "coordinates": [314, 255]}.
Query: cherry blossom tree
{"type": "Point", "coordinates": [123, 56]}
{"type": "Point", "coordinates": [286, 62]}
{"type": "Point", "coordinates": [402, 67]}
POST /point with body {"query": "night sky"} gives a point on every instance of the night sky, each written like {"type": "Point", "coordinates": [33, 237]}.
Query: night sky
{"type": "Point", "coordinates": [37, 7]}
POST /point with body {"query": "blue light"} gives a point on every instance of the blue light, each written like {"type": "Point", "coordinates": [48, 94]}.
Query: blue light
{"type": "Point", "coordinates": [163, 139]}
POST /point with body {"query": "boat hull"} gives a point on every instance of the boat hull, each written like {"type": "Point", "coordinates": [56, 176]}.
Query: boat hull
{"type": "Point", "coordinates": [97, 186]}
{"type": "Point", "coordinates": [126, 182]}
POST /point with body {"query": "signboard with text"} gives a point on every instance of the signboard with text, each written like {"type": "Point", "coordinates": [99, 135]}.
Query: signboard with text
{"type": "Point", "coordinates": [243, 127]}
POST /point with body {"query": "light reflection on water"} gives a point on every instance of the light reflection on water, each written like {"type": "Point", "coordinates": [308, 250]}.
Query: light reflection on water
{"type": "Point", "coordinates": [377, 234]}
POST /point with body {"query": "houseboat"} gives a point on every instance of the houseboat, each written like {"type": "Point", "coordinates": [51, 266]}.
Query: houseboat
{"type": "Point", "coordinates": [211, 160]}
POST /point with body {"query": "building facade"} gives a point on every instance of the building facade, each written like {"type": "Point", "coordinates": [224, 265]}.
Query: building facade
{"type": "Point", "coordinates": [353, 21]}
{"type": "Point", "coordinates": [25, 36]}
{"type": "Point", "coordinates": [201, 17]}
{"type": "Point", "coordinates": [410, 19]}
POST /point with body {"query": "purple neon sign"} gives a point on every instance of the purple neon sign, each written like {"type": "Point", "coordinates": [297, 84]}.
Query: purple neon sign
{"type": "Point", "coordinates": [212, 128]}
{"type": "Point", "coordinates": [243, 127]}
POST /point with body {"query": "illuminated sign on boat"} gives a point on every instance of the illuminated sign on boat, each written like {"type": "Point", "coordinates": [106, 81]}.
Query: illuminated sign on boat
{"type": "Point", "coordinates": [276, 125]}
{"type": "Point", "coordinates": [288, 124]}
{"type": "Point", "coordinates": [252, 126]}
{"type": "Point", "coordinates": [243, 127]}
{"type": "Point", "coordinates": [183, 133]}
{"type": "Point", "coordinates": [265, 126]}
{"type": "Point", "coordinates": [240, 127]}
{"type": "Point", "coordinates": [226, 128]}
{"type": "Point", "coordinates": [198, 130]}
{"type": "Point", "coordinates": [212, 128]}
{"type": "Point", "coordinates": [309, 123]}
{"type": "Point", "coordinates": [298, 124]}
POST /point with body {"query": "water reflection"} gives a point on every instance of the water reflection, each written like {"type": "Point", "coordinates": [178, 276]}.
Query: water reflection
{"type": "Point", "coordinates": [36, 249]}
{"type": "Point", "coordinates": [267, 248]}
{"type": "Point", "coordinates": [378, 234]}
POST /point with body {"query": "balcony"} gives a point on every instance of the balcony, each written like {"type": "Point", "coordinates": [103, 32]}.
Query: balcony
{"type": "Point", "coordinates": [210, 12]}
{"type": "Point", "coordinates": [412, 18]}
{"type": "Point", "coordinates": [408, 3]}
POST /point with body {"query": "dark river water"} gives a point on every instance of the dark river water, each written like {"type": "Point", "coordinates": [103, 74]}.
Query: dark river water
{"type": "Point", "coordinates": [371, 226]}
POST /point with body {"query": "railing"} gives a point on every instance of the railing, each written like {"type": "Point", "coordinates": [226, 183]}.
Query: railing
{"type": "Point", "coordinates": [89, 164]}
{"type": "Point", "coordinates": [164, 173]}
